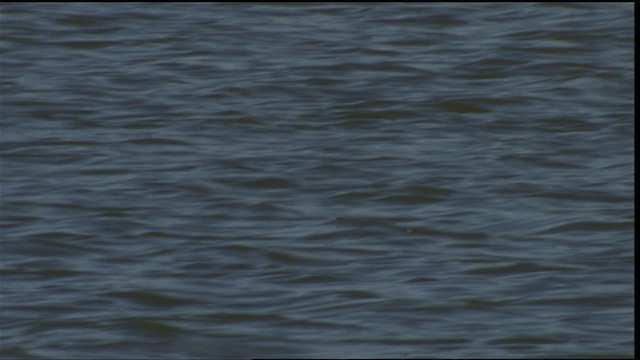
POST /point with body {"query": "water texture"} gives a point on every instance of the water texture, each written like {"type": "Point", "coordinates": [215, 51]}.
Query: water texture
{"type": "Point", "coordinates": [232, 180]}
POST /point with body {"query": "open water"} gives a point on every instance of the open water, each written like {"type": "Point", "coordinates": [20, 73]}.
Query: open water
{"type": "Point", "coordinates": [235, 180]}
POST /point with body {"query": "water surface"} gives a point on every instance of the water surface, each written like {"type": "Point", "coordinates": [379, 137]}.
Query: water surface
{"type": "Point", "coordinates": [344, 180]}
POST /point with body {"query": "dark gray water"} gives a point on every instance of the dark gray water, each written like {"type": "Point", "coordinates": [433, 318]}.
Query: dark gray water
{"type": "Point", "coordinates": [317, 180]}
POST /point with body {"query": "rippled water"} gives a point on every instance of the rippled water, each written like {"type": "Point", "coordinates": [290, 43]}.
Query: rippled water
{"type": "Point", "coordinates": [317, 180]}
